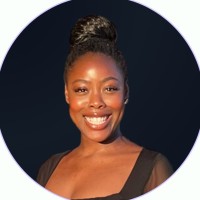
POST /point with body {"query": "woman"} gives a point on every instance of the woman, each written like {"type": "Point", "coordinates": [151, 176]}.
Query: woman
{"type": "Point", "coordinates": [105, 165]}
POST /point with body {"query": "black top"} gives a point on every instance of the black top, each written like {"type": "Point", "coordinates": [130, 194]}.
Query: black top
{"type": "Point", "coordinates": [149, 171]}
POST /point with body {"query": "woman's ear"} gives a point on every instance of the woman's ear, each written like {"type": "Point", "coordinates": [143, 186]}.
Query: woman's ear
{"type": "Point", "coordinates": [126, 91]}
{"type": "Point", "coordinates": [66, 94]}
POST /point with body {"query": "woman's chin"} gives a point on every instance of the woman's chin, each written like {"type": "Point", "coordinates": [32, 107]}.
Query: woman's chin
{"type": "Point", "coordinates": [101, 136]}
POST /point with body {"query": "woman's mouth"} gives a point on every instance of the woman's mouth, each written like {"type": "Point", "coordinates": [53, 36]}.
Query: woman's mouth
{"type": "Point", "coordinates": [97, 122]}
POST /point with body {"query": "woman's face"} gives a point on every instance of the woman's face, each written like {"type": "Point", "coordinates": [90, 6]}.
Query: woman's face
{"type": "Point", "coordinates": [95, 93]}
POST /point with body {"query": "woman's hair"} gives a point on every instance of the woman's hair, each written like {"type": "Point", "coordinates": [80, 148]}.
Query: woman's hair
{"type": "Point", "coordinates": [94, 34]}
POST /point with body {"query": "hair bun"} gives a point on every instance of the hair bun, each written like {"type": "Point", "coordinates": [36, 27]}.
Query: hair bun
{"type": "Point", "coordinates": [92, 27]}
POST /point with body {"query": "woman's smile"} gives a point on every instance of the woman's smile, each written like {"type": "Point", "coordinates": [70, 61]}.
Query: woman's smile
{"type": "Point", "coordinates": [98, 123]}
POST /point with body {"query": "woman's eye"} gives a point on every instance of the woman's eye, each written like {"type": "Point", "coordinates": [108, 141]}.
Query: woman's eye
{"type": "Point", "coordinates": [111, 89]}
{"type": "Point", "coordinates": [80, 90]}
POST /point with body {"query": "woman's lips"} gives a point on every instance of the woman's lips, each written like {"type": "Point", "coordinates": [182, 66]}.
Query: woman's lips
{"type": "Point", "coordinates": [96, 120]}
{"type": "Point", "coordinates": [97, 123]}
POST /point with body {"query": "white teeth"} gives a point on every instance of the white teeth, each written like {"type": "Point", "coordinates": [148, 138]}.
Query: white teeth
{"type": "Point", "coordinates": [96, 120]}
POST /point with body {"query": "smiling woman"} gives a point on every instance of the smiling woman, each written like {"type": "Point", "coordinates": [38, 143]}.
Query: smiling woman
{"type": "Point", "coordinates": [96, 90]}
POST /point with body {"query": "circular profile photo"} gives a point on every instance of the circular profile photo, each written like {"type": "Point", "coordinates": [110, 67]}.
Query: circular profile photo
{"type": "Point", "coordinates": [100, 100]}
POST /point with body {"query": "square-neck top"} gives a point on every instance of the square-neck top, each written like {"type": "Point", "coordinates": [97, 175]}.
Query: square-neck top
{"type": "Point", "coordinates": [136, 182]}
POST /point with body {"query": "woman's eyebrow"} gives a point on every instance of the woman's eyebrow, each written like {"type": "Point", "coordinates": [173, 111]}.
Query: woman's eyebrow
{"type": "Point", "coordinates": [110, 78]}
{"type": "Point", "coordinates": [80, 80]}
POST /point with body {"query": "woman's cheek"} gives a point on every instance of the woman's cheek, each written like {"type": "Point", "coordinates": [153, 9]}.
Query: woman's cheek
{"type": "Point", "coordinates": [78, 103]}
{"type": "Point", "coordinates": [115, 102]}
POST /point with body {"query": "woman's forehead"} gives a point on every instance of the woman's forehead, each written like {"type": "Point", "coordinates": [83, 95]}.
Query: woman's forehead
{"type": "Point", "coordinates": [95, 65]}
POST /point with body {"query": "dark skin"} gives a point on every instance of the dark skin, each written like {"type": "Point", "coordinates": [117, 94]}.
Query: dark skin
{"type": "Point", "coordinates": [100, 165]}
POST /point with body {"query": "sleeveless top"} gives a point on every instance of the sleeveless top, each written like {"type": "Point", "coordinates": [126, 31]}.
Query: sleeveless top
{"type": "Point", "coordinates": [149, 171]}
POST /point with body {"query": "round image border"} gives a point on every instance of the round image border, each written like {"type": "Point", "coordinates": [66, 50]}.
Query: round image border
{"type": "Point", "coordinates": [183, 172]}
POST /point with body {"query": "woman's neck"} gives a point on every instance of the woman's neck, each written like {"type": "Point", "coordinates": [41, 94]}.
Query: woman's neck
{"type": "Point", "coordinates": [89, 147]}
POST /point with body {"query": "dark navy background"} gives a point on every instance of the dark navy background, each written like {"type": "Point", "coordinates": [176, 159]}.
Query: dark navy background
{"type": "Point", "coordinates": [162, 113]}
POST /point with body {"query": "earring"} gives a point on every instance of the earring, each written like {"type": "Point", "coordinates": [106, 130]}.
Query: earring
{"type": "Point", "coordinates": [126, 101]}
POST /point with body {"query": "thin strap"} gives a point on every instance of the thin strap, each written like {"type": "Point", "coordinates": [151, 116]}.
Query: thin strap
{"type": "Point", "coordinates": [140, 174]}
{"type": "Point", "coordinates": [55, 161]}
{"type": "Point", "coordinates": [47, 169]}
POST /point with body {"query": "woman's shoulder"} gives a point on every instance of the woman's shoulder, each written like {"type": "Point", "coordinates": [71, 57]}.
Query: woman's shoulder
{"type": "Point", "coordinates": [160, 163]}
{"type": "Point", "coordinates": [48, 167]}
{"type": "Point", "coordinates": [159, 159]}
{"type": "Point", "coordinates": [161, 169]}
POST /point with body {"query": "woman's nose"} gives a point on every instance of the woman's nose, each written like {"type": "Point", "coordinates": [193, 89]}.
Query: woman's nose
{"type": "Point", "coordinates": [96, 101]}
